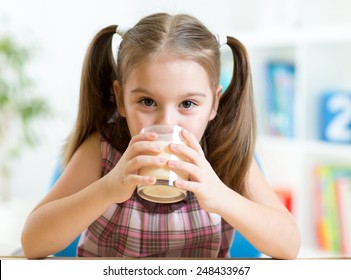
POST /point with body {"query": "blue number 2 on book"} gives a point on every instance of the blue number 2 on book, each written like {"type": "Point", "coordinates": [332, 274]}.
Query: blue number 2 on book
{"type": "Point", "coordinates": [336, 117]}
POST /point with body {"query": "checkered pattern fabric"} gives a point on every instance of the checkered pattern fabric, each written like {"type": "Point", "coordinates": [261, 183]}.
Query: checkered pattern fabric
{"type": "Point", "coordinates": [137, 228]}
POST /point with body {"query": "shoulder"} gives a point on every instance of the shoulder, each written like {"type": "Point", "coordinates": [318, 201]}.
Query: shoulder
{"type": "Point", "coordinates": [89, 150]}
{"type": "Point", "coordinates": [93, 140]}
{"type": "Point", "coordinates": [83, 169]}
{"type": "Point", "coordinates": [90, 147]}
{"type": "Point", "coordinates": [86, 161]}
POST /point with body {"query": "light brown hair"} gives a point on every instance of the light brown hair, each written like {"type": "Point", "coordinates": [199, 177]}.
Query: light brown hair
{"type": "Point", "coordinates": [229, 139]}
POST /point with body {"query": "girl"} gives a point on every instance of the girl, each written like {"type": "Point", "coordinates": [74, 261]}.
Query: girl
{"type": "Point", "coordinates": [167, 72]}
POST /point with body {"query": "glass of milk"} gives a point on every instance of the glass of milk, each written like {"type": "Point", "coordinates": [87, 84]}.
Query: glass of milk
{"type": "Point", "coordinates": [163, 191]}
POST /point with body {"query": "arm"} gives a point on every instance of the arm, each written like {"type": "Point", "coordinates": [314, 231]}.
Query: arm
{"type": "Point", "coordinates": [260, 216]}
{"type": "Point", "coordinates": [75, 201]}
{"type": "Point", "coordinates": [81, 195]}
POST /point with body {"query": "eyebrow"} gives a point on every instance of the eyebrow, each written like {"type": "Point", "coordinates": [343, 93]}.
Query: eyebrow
{"type": "Point", "coordinates": [188, 94]}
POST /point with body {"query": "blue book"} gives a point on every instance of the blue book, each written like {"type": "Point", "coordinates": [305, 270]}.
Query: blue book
{"type": "Point", "coordinates": [280, 98]}
{"type": "Point", "coordinates": [335, 116]}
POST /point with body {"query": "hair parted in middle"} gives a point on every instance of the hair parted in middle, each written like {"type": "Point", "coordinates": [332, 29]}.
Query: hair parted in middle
{"type": "Point", "coordinates": [184, 37]}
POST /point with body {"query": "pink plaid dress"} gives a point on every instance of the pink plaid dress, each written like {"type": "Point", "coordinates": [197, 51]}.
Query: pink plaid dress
{"type": "Point", "coordinates": [137, 228]}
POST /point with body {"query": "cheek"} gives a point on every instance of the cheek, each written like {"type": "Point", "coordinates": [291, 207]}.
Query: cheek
{"type": "Point", "coordinates": [136, 124]}
{"type": "Point", "coordinates": [137, 128]}
{"type": "Point", "coordinates": [200, 126]}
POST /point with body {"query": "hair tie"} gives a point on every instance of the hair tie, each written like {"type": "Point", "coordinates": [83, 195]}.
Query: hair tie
{"type": "Point", "coordinates": [221, 39]}
{"type": "Point", "coordinates": [121, 30]}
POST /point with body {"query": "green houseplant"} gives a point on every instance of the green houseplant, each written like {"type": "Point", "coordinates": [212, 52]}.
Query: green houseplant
{"type": "Point", "coordinates": [20, 106]}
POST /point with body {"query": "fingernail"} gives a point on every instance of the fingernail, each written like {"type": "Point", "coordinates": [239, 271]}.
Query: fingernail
{"type": "Point", "coordinates": [179, 183]}
{"type": "Point", "coordinates": [174, 147]}
{"type": "Point", "coordinates": [151, 180]}
{"type": "Point", "coordinates": [153, 135]}
{"type": "Point", "coordinates": [172, 163]}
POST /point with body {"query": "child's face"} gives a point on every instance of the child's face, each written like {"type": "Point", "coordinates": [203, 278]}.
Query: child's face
{"type": "Point", "coordinates": [168, 91]}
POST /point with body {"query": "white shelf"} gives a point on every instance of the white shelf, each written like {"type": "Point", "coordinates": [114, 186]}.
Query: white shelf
{"type": "Point", "coordinates": [309, 147]}
{"type": "Point", "coordinates": [342, 152]}
{"type": "Point", "coordinates": [322, 58]}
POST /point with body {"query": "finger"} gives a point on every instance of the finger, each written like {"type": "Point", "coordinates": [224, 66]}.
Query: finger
{"type": "Point", "coordinates": [136, 180]}
{"type": "Point", "coordinates": [184, 152]}
{"type": "Point", "coordinates": [144, 160]}
{"type": "Point", "coordinates": [148, 136]}
{"type": "Point", "coordinates": [187, 185]}
{"type": "Point", "coordinates": [185, 167]}
{"type": "Point", "coordinates": [143, 148]}
{"type": "Point", "coordinates": [191, 140]}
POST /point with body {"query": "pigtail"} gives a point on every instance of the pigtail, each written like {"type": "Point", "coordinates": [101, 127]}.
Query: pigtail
{"type": "Point", "coordinates": [231, 155]}
{"type": "Point", "coordinates": [96, 104]}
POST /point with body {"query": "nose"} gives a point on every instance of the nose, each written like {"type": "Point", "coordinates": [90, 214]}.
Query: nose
{"type": "Point", "coordinates": [166, 116]}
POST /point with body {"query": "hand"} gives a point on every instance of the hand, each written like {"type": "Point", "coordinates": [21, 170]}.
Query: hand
{"type": "Point", "coordinates": [124, 178]}
{"type": "Point", "coordinates": [203, 181]}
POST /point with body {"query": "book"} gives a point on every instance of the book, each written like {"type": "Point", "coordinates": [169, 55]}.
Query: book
{"type": "Point", "coordinates": [332, 208]}
{"type": "Point", "coordinates": [285, 195]}
{"type": "Point", "coordinates": [327, 223]}
{"type": "Point", "coordinates": [343, 191]}
{"type": "Point", "coordinates": [335, 116]}
{"type": "Point", "coordinates": [280, 98]}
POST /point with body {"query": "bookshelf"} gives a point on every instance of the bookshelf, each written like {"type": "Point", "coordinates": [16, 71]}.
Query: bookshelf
{"type": "Point", "coordinates": [322, 60]}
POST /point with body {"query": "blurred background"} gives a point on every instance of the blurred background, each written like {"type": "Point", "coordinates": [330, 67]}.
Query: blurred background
{"type": "Point", "coordinates": [300, 54]}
